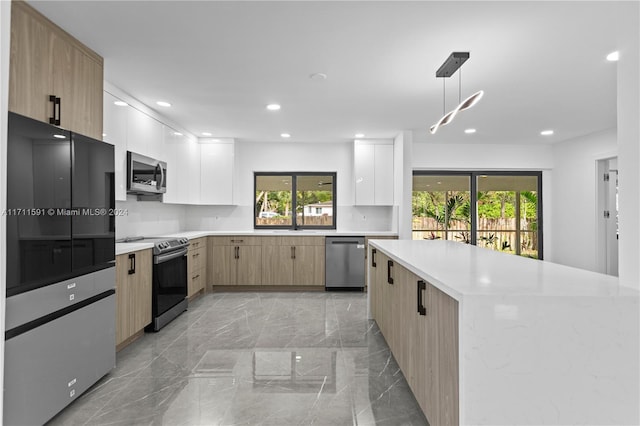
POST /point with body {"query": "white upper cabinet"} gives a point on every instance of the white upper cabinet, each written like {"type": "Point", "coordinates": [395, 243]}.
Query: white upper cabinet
{"type": "Point", "coordinates": [182, 155]}
{"type": "Point", "coordinates": [144, 134]}
{"type": "Point", "coordinates": [115, 133]}
{"type": "Point", "coordinates": [216, 172]}
{"type": "Point", "coordinates": [373, 172]}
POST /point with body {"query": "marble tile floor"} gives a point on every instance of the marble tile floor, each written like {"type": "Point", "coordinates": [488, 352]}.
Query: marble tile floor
{"type": "Point", "coordinates": [259, 358]}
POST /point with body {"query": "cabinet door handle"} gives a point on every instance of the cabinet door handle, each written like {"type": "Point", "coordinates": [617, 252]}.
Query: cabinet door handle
{"type": "Point", "coordinates": [132, 263]}
{"type": "Point", "coordinates": [195, 277]}
{"type": "Point", "coordinates": [196, 255]}
{"type": "Point", "coordinates": [55, 110]}
{"type": "Point", "coordinates": [373, 257]}
{"type": "Point", "coordinates": [421, 287]}
{"type": "Point", "coordinates": [293, 252]}
{"type": "Point", "coordinates": [237, 252]}
{"type": "Point", "coordinates": [389, 266]}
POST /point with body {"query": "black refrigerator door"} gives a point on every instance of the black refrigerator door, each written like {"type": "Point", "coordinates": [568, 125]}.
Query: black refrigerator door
{"type": "Point", "coordinates": [93, 199]}
{"type": "Point", "coordinates": [38, 201]}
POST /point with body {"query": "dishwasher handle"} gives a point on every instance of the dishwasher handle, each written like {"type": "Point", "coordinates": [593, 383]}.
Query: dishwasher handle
{"type": "Point", "coordinates": [349, 242]}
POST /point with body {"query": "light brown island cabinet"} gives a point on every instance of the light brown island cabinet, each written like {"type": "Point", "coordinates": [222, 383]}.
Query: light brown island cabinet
{"type": "Point", "coordinates": [293, 261]}
{"type": "Point", "coordinates": [235, 260]}
{"type": "Point", "coordinates": [420, 324]}
{"type": "Point", "coordinates": [133, 295]}
{"type": "Point", "coordinates": [52, 75]}
{"type": "Point", "coordinates": [197, 267]}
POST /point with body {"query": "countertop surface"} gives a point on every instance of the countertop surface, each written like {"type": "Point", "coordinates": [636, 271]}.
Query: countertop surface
{"type": "Point", "coordinates": [462, 270]}
{"type": "Point", "coordinates": [123, 248]}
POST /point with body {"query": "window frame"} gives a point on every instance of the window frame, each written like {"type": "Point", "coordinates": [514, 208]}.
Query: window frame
{"type": "Point", "coordinates": [294, 200]}
{"type": "Point", "coordinates": [473, 188]}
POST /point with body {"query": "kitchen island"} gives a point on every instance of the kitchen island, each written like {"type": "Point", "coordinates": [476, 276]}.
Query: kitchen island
{"type": "Point", "coordinates": [490, 338]}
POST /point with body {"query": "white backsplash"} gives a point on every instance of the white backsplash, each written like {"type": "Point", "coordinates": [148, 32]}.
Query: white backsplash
{"type": "Point", "coordinates": [240, 218]}
{"type": "Point", "coordinates": [146, 218]}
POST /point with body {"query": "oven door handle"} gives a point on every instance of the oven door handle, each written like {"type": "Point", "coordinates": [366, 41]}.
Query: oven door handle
{"type": "Point", "coordinates": [161, 258]}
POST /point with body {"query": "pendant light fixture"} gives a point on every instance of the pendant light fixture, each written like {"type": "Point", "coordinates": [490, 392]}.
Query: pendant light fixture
{"type": "Point", "coordinates": [446, 70]}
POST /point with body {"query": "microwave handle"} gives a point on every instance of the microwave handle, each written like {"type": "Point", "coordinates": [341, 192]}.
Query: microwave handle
{"type": "Point", "coordinates": [161, 184]}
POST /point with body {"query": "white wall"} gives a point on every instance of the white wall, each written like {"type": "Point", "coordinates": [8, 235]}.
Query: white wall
{"type": "Point", "coordinates": [629, 142]}
{"type": "Point", "coordinates": [147, 218]}
{"type": "Point", "coordinates": [5, 33]}
{"type": "Point", "coordinates": [574, 216]}
{"type": "Point", "coordinates": [253, 157]}
{"type": "Point", "coordinates": [402, 154]}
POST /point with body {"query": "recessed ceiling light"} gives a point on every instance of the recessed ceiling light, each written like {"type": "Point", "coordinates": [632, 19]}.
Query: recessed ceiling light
{"type": "Point", "coordinates": [207, 134]}
{"type": "Point", "coordinates": [470, 131]}
{"type": "Point", "coordinates": [613, 56]}
{"type": "Point", "coordinates": [177, 134]}
{"type": "Point", "coordinates": [273, 107]}
{"type": "Point", "coordinates": [120, 103]}
{"type": "Point", "coordinates": [285, 135]}
{"type": "Point", "coordinates": [546, 132]}
{"type": "Point", "coordinates": [60, 136]}
{"type": "Point", "coordinates": [359, 135]}
{"type": "Point", "coordinates": [318, 76]}
{"type": "Point", "coordinates": [163, 104]}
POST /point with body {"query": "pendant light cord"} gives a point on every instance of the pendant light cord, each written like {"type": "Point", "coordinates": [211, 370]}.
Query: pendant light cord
{"type": "Point", "coordinates": [444, 97]}
{"type": "Point", "coordinates": [459, 85]}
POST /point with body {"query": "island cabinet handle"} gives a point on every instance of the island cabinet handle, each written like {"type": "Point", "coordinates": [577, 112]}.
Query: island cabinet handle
{"type": "Point", "coordinates": [421, 287]}
{"type": "Point", "coordinates": [132, 264]}
{"type": "Point", "coordinates": [373, 258]}
{"type": "Point", "coordinates": [389, 266]}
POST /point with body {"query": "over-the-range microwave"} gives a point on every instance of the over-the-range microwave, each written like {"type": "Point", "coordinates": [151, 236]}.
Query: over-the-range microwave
{"type": "Point", "coordinates": [145, 175]}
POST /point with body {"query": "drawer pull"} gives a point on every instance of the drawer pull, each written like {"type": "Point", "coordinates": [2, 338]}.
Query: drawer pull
{"type": "Point", "coordinates": [195, 277]}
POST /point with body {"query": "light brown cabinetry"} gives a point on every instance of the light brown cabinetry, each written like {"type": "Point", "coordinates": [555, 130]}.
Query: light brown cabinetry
{"type": "Point", "coordinates": [52, 75]}
{"type": "Point", "coordinates": [366, 252]}
{"type": "Point", "coordinates": [293, 261]}
{"type": "Point", "coordinates": [133, 295]}
{"type": "Point", "coordinates": [420, 324]}
{"type": "Point", "coordinates": [197, 267]}
{"type": "Point", "coordinates": [235, 260]}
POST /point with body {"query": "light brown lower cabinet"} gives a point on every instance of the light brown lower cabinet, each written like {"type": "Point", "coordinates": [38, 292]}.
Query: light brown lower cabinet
{"type": "Point", "coordinates": [420, 324]}
{"type": "Point", "coordinates": [235, 260]}
{"type": "Point", "coordinates": [197, 267]}
{"type": "Point", "coordinates": [297, 261]}
{"type": "Point", "coordinates": [133, 295]}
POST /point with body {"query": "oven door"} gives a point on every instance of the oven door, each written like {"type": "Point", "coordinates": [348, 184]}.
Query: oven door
{"type": "Point", "coordinates": [169, 280]}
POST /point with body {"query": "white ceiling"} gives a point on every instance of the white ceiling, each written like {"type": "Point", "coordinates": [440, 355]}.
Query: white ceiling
{"type": "Point", "coordinates": [541, 64]}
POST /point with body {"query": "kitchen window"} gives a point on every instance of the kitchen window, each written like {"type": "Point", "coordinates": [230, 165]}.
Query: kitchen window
{"type": "Point", "coordinates": [295, 200]}
{"type": "Point", "coordinates": [501, 211]}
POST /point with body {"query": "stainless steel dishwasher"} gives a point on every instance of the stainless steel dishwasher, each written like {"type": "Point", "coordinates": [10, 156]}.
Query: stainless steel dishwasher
{"type": "Point", "coordinates": [344, 266]}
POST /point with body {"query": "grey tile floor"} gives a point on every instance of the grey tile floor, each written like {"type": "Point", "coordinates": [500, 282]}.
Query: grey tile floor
{"type": "Point", "coordinates": [258, 358]}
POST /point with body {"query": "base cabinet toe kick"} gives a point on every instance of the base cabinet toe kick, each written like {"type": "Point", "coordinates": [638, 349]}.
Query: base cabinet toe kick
{"type": "Point", "coordinates": [487, 338]}
{"type": "Point", "coordinates": [61, 349]}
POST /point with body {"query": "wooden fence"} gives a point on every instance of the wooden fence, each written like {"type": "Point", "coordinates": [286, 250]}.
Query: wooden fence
{"type": "Point", "coordinates": [286, 220]}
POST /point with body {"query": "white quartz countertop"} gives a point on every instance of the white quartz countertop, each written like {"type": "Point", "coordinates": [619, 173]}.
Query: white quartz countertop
{"type": "Point", "coordinates": [123, 248]}
{"type": "Point", "coordinates": [463, 270]}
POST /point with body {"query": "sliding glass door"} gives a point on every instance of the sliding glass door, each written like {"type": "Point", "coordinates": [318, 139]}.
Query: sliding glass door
{"type": "Point", "coordinates": [506, 213]}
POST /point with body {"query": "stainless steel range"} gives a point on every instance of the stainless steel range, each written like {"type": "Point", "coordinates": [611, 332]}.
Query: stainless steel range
{"type": "Point", "coordinates": [169, 294]}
